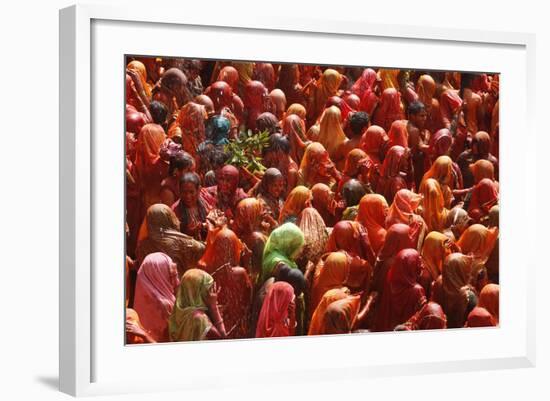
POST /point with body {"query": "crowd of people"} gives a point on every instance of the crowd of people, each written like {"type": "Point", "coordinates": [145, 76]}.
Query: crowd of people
{"type": "Point", "coordinates": [373, 204]}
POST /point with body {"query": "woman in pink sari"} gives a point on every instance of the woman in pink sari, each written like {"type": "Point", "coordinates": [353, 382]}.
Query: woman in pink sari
{"type": "Point", "coordinates": [396, 173]}
{"type": "Point", "coordinates": [277, 316]}
{"type": "Point", "coordinates": [364, 87]}
{"type": "Point", "coordinates": [389, 109]}
{"type": "Point", "coordinates": [374, 143]}
{"type": "Point", "coordinates": [403, 210]}
{"type": "Point", "coordinates": [156, 284]}
{"type": "Point", "coordinates": [372, 213]}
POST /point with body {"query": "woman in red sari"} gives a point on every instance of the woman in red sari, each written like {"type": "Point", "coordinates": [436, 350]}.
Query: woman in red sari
{"type": "Point", "coordinates": [255, 101]}
{"type": "Point", "coordinates": [278, 103]}
{"type": "Point", "coordinates": [403, 296]}
{"type": "Point", "coordinates": [389, 109]}
{"type": "Point", "coordinates": [277, 155]}
{"type": "Point", "coordinates": [489, 299]}
{"type": "Point", "coordinates": [353, 238]}
{"type": "Point", "coordinates": [430, 317]}
{"type": "Point", "coordinates": [227, 193]}
{"type": "Point", "coordinates": [289, 83]}
{"type": "Point", "coordinates": [317, 167]}
{"type": "Point", "coordinates": [277, 316]}
{"type": "Point", "coordinates": [442, 171]}
{"type": "Point", "coordinates": [398, 134]}
{"type": "Point", "coordinates": [398, 237]}
{"type": "Point", "coordinates": [435, 249]}
{"type": "Point", "coordinates": [150, 169]}
{"type": "Point", "coordinates": [223, 97]}
{"type": "Point", "coordinates": [265, 73]}
{"type": "Point", "coordinates": [222, 261]}
{"type": "Point", "coordinates": [395, 173]}
{"type": "Point", "coordinates": [372, 213]}
{"type": "Point", "coordinates": [480, 150]}
{"type": "Point", "coordinates": [294, 128]}
{"type": "Point", "coordinates": [374, 143]}
{"type": "Point", "coordinates": [230, 75]}
{"type": "Point", "coordinates": [425, 88]}
{"type": "Point", "coordinates": [364, 87]}
{"type": "Point", "coordinates": [434, 211]}
{"type": "Point", "coordinates": [484, 197]}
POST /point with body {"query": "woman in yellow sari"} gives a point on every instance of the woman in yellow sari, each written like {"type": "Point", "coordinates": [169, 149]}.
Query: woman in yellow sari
{"type": "Point", "coordinates": [434, 211]}
{"type": "Point", "coordinates": [442, 172]}
{"type": "Point", "coordinates": [319, 93]}
{"type": "Point", "coordinates": [331, 134]}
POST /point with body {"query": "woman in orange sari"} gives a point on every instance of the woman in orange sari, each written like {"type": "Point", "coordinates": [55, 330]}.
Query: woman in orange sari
{"type": "Point", "coordinates": [332, 271]}
{"type": "Point", "coordinates": [323, 199]}
{"type": "Point", "coordinates": [403, 210]}
{"type": "Point", "coordinates": [157, 281]}
{"type": "Point", "coordinates": [479, 241]}
{"type": "Point", "coordinates": [372, 213]}
{"type": "Point", "coordinates": [357, 166]}
{"type": "Point", "coordinates": [150, 169]}
{"type": "Point", "coordinates": [265, 73]}
{"type": "Point", "coordinates": [425, 88]}
{"type": "Point", "coordinates": [452, 289]}
{"type": "Point", "coordinates": [389, 109]}
{"type": "Point", "coordinates": [317, 324]}
{"type": "Point", "coordinates": [341, 315]}
{"type": "Point", "coordinates": [435, 249]}
{"type": "Point", "coordinates": [317, 167]}
{"type": "Point", "coordinates": [289, 83]}
{"type": "Point", "coordinates": [319, 92]}
{"type": "Point", "coordinates": [353, 238]}
{"type": "Point", "coordinates": [230, 75]}
{"type": "Point", "coordinates": [402, 296]}
{"type": "Point", "coordinates": [331, 134]}
{"type": "Point", "coordinates": [480, 150]}
{"type": "Point", "coordinates": [433, 205]}
{"type": "Point", "coordinates": [430, 317]}
{"type": "Point", "coordinates": [294, 128]}
{"type": "Point", "coordinates": [442, 171]}
{"type": "Point", "coordinates": [297, 200]}
{"type": "Point", "coordinates": [277, 316]}
{"type": "Point", "coordinates": [396, 173]}
{"type": "Point", "coordinates": [489, 299]}
{"type": "Point", "coordinates": [398, 134]}
{"type": "Point", "coordinates": [189, 127]}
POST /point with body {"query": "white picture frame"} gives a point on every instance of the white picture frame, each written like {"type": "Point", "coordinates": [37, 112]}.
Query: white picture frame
{"type": "Point", "coordinates": [88, 361]}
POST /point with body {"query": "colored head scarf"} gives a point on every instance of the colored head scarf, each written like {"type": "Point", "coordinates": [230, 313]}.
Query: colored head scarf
{"type": "Point", "coordinates": [314, 155]}
{"type": "Point", "coordinates": [317, 324]}
{"type": "Point", "coordinates": [158, 219]}
{"type": "Point", "coordinates": [265, 73]}
{"type": "Point", "coordinates": [296, 201]}
{"type": "Point", "coordinates": [139, 67]}
{"type": "Point", "coordinates": [331, 134]}
{"type": "Point", "coordinates": [398, 237]}
{"type": "Point", "coordinates": [267, 122]}
{"type": "Point", "coordinates": [483, 142]}
{"type": "Point", "coordinates": [425, 88]}
{"type": "Point", "coordinates": [373, 142]}
{"type": "Point", "coordinates": [157, 280]}
{"type": "Point", "coordinates": [441, 142]}
{"type": "Point", "coordinates": [222, 247]}
{"type": "Point", "coordinates": [433, 205]}
{"type": "Point", "coordinates": [482, 169]}
{"type": "Point", "coordinates": [327, 86]}
{"type": "Point", "coordinates": [484, 196]}
{"type": "Point", "coordinates": [295, 129]}
{"type": "Point", "coordinates": [248, 217]}
{"type": "Point", "coordinates": [353, 159]}
{"type": "Point", "coordinates": [230, 75]}
{"type": "Point", "coordinates": [150, 139]}
{"type": "Point", "coordinates": [274, 316]}
{"type": "Point", "coordinates": [221, 94]}
{"type": "Point", "coordinates": [315, 233]}
{"type": "Point", "coordinates": [283, 245]}
{"type": "Point", "coordinates": [190, 126]}
{"type": "Point", "coordinates": [480, 317]}
{"type": "Point", "coordinates": [435, 249]}
{"type": "Point", "coordinates": [455, 277]}
{"type": "Point", "coordinates": [278, 100]}
{"type": "Point", "coordinates": [405, 202]}
{"type": "Point", "coordinates": [489, 299]}
{"type": "Point", "coordinates": [478, 240]}
{"type": "Point", "coordinates": [430, 317]}
{"type": "Point", "coordinates": [389, 109]}
{"type": "Point", "coordinates": [220, 130]}
{"type": "Point", "coordinates": [340, 315]}
{"type": "Point", "coordinates": [189, 321]}
{"type": "Point", "coordinates": [364, 88]}
{"type": "Point", "coordinates": [372, 213]}
{"type": "Point", "coordinates": [393, 163]}
{"type": "Point", "coordinates": [298, 109]}
{"type": "Point", "coordinates": [333, 273]}
{"type": "Point", "coordinates": [398, 134]}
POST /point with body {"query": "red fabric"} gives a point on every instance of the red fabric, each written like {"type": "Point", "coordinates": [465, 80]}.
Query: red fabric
{"type": "Point", "coordinates": [484, 196]}
{"type": "Point", "coordinates": [225, 201]}
{"type": "Point", "coordinates": [392, 174]}
{"type": "Point", "coordinates": [373, 142]}
{"type": "Point", "coordinates": [351, 237]}
{"type": "Point", "coordinates": [398, 134]}
{"type": "Point", "coordinates": [255, 95]}
{"type": "Point", "coordinates": [364, 88]}
{"type": "Point", "coordinates": [398, 237]}
{"type": "Point", "coordinates": [402, 296]}
{"type": "Point", "coordinates": [430, 317]}
{"type": "Point", "coordinates": [265, 73]}
{"type": "Point", "coordinates": [295, 129]}
{"type": "Point", "coordinates": [275, 319]}
{"type": "Point", "coordinates": [221, 94]}
{"type": "Point", "coordinates": [344, 107]}
{"type": "Point", "coordinates": [389, 109]}
{"type": "Point", "coordinates": [480, 317]}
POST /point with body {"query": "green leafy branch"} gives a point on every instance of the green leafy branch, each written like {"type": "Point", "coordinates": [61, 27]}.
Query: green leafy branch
{"type": "Point", "coordinates": [246, 150]}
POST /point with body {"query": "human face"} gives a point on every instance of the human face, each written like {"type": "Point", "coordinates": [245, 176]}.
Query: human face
{"type": "Point", "coordinates": [276, 188]}
{"type": "Point", "coordinates": [420, 119]}
{"type": "Point", "coordinates": [226, 184]}
{"type": "Point", "coordinates": [189, 194]}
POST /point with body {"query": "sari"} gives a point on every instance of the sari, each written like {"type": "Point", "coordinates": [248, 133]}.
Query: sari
{"type": "Point", "coordinates": [189, 320]}
{"type": "Point", "coordinates": [457, 221]}
{"type": "Point", "coordinates": [278, 102]}
{"type": "Point", "coordinates": [323, 200]}
{"type": "Point", "coordinates": [374, 143]}
{"type": "Point", "coordinates": [283, 245]}
{"type": "Point", "coordinates": [222, 247]}
{"type": "Point", "coordinates": [230, 75]}
{"type": "Point", "coordinates": [133, 318]}
{"type": "Point", "coordinates": [173, 84]}
{"type": "Point", "coordinates": [402, 296]}
{"type": "Point", "coordinates": [353, 238]}
{"type": "Point", "coordinates": [449, 105]}
{"type": "Point", "coordinates": [482, 142]}
{"type": "Point", "coordinates": [402, 210]}
{"type": "Point", "coordinates": [315, 234]}
{"type": "Point", "coordinates": [317, 324]}
{"type": "Point", "coordinates": [325, 87]}
{"type": "Point", "coordinates": [442, 171]}
{"type": "Point", "coordinates": [484, 197]}
{"type": "Point", "coordinates": [159, 232]}
{"type": "Point", "coordinates": [149, 167]}
{"type": "Point", "coordinates": [296, 108]}
{"type": "Point", "coordinates": [388, 78]}
{"type": "Point", "coordinates": [294, 128]}
{"type": "Point", "coordinates": [190, 127]}
{"type": "Point", "coordinates": [309, 173]}
{"type": "Point", "coordinates": [430, 317]}
{"type": "Point", "coordinates": [393, 173]}
{"type": "Point", "coordinates": [275, 319]}
{"type": "Point", "coordinates": [139, 67]}
{"type": "Point", "coordinates": [453, 296]}
{"type": "Point", "coordinates": [372, 213]}
{"type": "Point", "coordinates": [398, 134]}
{"type": "Point", "coordinates": [480, 317]}
{"type": "Point", "coordinates": [265, 73]}
{"type": "Point", "coordinates": [389, 109]}
{"type": "Point", "coordinates": [331, 134]}
{"type": "Point", "coordinates": [398, 237]}
{"type": "Point", "coordinates": [245, 70]}
{"type": "Point", "coordinates": [482, 169]}
{"type": "Point", "coordinates": [433, 205]}
{"type": "Point", "coordinates": [267, 122]}
{"type": "Point", "coordinates": [364, 89]}
{"type": "Point", "coordinates": [435, 249]}
{"type": "Point", "coordinates": [489, 299]}
{"type": "Point", "coordinates": [425, 88]}
{"type": "Point", "coordinates": [332, 271]}
{"type": "Point", "coordinates": [157, 281]}
{"type": "Point", "coordinates": [289, 83]}
{"type": "Point", "coordinates": [223, 97]}
{"type": "Point", "coordinates": [269, 203]}
{"type": "Point", "coordinates": [225, 201]}
{"type": "Point", "coordinates": [478, 240]}
{"type": "Point", "coordinates": [134, 120]}
{"type": "Point", "coordinates": [255, 96]}
{"type": "Point", "coordinates": [340, 315]}
{"type": "Point", "coordinates": [297, 200]}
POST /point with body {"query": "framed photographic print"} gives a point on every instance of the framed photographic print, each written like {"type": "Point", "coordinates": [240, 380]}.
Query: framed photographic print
{"type": "Point", "coordinates": [287, 199]}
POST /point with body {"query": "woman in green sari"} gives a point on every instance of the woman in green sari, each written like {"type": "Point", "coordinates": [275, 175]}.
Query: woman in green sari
{"type": "Point", "coordinates": [196, 315]}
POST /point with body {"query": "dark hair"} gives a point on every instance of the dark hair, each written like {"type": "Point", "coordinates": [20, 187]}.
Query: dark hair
{"type": "Point", "coordinates": [181, 160]}
{"type": "Point", "coordinates": [466, 81]}
{"type": "Point", "coordinates": [358, 121]}
{"type": "Point", "coordinates": [415, 108]}
{"type": "Point", "coordinates": [193, 178]}
{"type": "Point", "coordinates": [158, 111]}
{"type": "Point", "coordinates": [294, 277]}
{"type": "Point", "coordinates": [277, 143]}
{"type": "Point", "coordinates": [352, 192]}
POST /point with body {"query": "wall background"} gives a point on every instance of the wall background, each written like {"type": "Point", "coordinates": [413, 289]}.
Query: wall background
{"type": "Point", "coordinates": [29, 197]}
